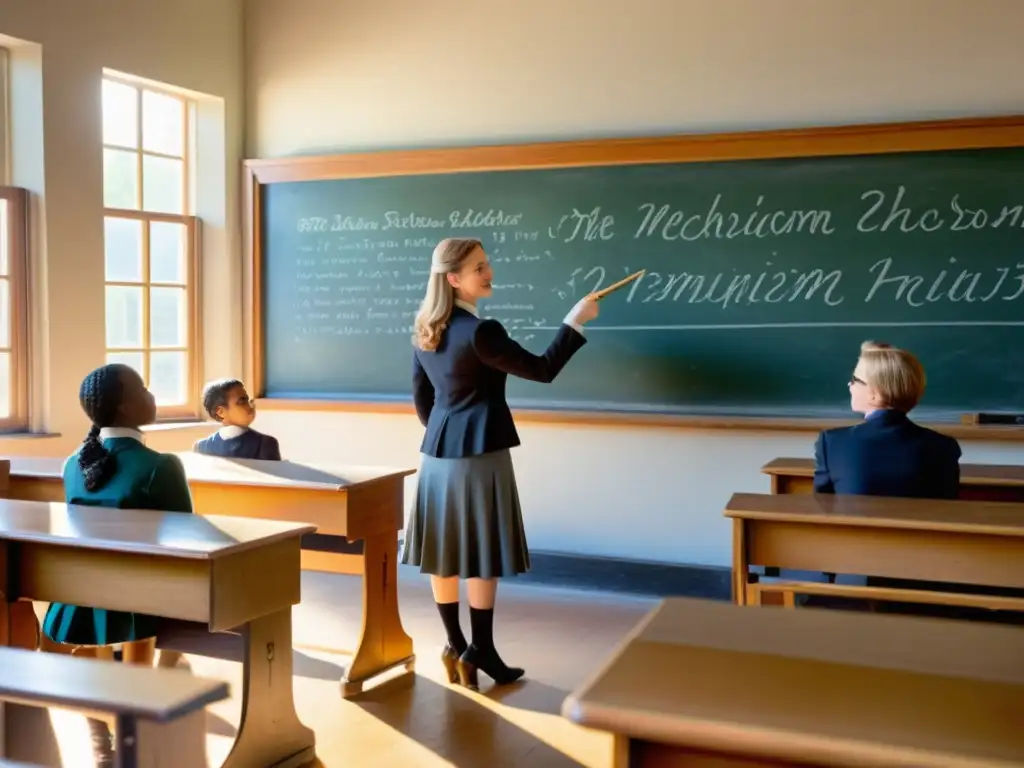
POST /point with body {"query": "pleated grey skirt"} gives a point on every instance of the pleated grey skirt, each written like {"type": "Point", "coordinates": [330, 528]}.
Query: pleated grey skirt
{"type": "Point", "coordinates": [466, 520]}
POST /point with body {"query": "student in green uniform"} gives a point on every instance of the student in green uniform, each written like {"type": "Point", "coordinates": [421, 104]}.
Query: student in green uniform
{"type": "Point", "coordinates": [114, 468]}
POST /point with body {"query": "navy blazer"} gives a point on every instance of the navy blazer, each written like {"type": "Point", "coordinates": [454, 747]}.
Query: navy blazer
{"type": "Point", "coordinates": [459, 388]}
{"type": "Point", "coordinates": [248, 445]}
{"type": "Point", "coordinates": [887, 455]}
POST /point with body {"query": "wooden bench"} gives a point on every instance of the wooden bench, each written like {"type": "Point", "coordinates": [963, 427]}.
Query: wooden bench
{"type": "Point", "coordinates": [957, 542]}
{"type": "Point", "coordinates": [788, 589]}
{"type": "Point", "coordinates": [226, 573]}
{"type": "Point", "coordinates": [358, 512]}
{"type": "Point", "coordinates": [157, 712]}
{"type": "Point", "coordinates": [689, 686]}
{"type": "Point", "coordinates": [980, 482]}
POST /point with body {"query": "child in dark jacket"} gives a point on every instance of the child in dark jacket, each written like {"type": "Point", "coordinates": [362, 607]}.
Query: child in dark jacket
{"type": "Point", "coordinates": [228, 403]}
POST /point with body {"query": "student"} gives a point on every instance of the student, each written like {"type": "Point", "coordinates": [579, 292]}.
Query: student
{"type": "Point", "coordinates": [887, 454]}
{"type": "Point", "coordinates": [227, 402]}
{"type": "Point", "coordinates": [466, 521]}
{"type": "Point", "coordinates": [114, 468]}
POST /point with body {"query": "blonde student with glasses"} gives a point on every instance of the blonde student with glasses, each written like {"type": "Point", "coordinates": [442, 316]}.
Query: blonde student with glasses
{"type": "Point", "coordinates": [887, 454]}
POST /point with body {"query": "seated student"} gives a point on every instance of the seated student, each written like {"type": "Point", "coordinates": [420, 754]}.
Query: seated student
{"type": "Point", "coordinates": [227, 402]}
{"type": "Point", "coordinates": [887, 454]}
{"type": "Point", "coordinates": [114, 468]}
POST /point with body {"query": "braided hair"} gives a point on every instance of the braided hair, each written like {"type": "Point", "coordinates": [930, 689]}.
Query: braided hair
{"type": "Point", "coordinates": [100, 397]}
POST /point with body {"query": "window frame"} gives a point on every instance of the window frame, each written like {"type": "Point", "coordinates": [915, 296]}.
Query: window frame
{"type": "Point", "coordinates": [191, 408]}
{"type": "Point", "coordinates": [18, 259]}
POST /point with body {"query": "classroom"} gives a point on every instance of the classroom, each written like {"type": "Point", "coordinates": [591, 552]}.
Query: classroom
{"type": "Point", "coordinates": [668, 460]}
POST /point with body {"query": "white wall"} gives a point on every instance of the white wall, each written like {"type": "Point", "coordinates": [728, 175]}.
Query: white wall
{"type": "Point", "coordinates": [191, 44]}
{"type": "Point", "coordinates": [337, 75]}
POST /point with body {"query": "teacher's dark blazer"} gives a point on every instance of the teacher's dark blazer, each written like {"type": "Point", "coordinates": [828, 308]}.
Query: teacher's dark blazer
{"type": "Point", "coordinates": [887, 455]}
{"type": "Point", "coordinates": [459, 389]}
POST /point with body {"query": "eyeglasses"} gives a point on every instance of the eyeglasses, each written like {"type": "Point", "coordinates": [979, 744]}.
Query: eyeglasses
{"type": "Point", "coordinates": [854, 380]}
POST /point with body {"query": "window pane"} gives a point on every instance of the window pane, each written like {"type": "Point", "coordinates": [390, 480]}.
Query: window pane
{"type": "Point", "coordinates": [163, 124]}
{"type": "Point", "coordinates": [131, 359]}
{"type": "Point", "coordinates": [122, 247]}
{"type": "Point", "coordinates": [163, 185]}
{"type": "Point", "coordinates": [120, 114]}
{"type": "Point", "coordinates": [166, 252]}
{"type": "Point", "coordinates": [167, 374]}
{"type": "Point", "coordinates": [5, 385]}
{"type": "Point", "coordinates": [120, 179]}
{"type": "Point", "coordinates": [5, 234]}
{"type": "Point", "coordinates": [124, 316]}
{"type": "Point", "coordinates": [168, 317]}
{"type": "Point", "coordinates": [5, 312]}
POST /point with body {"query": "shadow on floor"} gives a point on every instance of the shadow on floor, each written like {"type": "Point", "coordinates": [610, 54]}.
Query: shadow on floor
{"type": "Point", "coordinates": [195, 639]}
{"type": "Point", "coordinates": [529, 695]}
{"type": "Point", "coordinates": [466, 728]}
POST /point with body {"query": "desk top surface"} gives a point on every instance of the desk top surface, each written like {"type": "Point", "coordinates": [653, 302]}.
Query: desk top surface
{"type": "Point", "coordinates": [962, 516]}
{"type": "Point", "coordinates": [1010, 475]}
{"type": "Point", "coordinates": [245, 472]}
{"type": "Point", "coordinates": [66, 681]}
{"type": "Point", "coordinates": [849, 689]}
{"type": "Point", "coordinates": [139, 531]}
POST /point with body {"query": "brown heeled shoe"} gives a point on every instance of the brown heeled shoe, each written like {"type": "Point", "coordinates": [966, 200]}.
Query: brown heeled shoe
{"type": "Point", "coordinates": [490, 664]}
{"type": "Point", "coordinates": [450, 659]}
{"type": "Point", "coordinates": [467, 675]}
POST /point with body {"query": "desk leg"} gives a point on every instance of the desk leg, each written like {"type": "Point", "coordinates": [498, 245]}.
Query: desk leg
{"type": "Point", "coordinates": [22, 626]}
{"type": "Point", "coordinates": [19, 627]}
{"type": "Point", "coordinates": [740, 566]}
{"type": "Point", "coordinates": [383, 643]}
{"type": "Point", "coordinates": [147, 744]}
{"type": "Point", "coordinates": [25, 732]}
{"type": "Point", "coordinates": [270, 733]}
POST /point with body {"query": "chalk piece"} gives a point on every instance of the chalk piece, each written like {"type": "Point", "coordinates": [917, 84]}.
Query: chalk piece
{"type": "Point", "coordinates": [598, 295]}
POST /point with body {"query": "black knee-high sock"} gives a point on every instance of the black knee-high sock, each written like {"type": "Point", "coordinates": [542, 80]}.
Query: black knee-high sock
{"type": "Point", "coordinates": [486, 656]}
{"type": "Point", "coordinates": [481, 620]}
{"type": "Point", "coordinates": [450, 618]}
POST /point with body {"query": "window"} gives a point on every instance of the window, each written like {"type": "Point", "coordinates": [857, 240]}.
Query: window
{"type": "Point", "coordinates": [13, 309]}
{"type": "Point", "coordinates": [151, 253]}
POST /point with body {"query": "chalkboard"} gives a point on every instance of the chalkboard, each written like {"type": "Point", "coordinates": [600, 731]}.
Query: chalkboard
{"type": "Point", "coordinates": [763, 277]}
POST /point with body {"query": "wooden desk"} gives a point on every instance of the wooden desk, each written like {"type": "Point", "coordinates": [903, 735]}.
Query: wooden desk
{"type": "Point", "coordinates": [982, 482]}
{"type": "Point", "coordinates": [688, 687]}
{"type": "Point", "coordinates": [346, 504]}
{"type": "Point", "coordinates": [967, 542]}
{"type": "Point", "coordinates": [156, 711]}
{"type": "Point", "coordinates": [225, 572]}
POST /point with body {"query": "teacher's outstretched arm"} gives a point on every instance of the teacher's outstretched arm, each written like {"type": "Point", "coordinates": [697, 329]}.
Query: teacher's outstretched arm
{"type": "Point", "coordinates": [498, 350]}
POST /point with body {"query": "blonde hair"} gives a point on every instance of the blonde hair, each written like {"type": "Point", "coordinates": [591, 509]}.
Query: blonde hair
{"type": "Point", "coordinates": [896, 374]}
{"type": "Point", "coordinates": [435, 310]}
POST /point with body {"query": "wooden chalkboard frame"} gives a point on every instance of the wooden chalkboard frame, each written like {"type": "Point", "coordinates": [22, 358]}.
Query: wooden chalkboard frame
{"type": "Point", "coordinates": [874, 138]}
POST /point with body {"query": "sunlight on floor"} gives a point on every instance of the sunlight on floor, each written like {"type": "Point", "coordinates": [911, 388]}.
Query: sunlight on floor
{"type": "Point", "coordinates": [71, 732]}
{"type": "Point", "coordinates": [421, 720]}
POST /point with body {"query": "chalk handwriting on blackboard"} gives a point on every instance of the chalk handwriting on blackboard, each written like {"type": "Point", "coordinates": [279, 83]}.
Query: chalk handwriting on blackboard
{"type": "Point", "coordinates": [673, 224]}
{"type": "Point", "coordinates": [881, 215]}
{"type": "Point", "coordinates": [585, 225]}
{"type": "Point", "coordinates": [362, 274]}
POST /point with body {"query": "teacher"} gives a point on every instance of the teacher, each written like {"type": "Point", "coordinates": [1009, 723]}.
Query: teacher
{"type": "Point", "coordinates": [466, 522]}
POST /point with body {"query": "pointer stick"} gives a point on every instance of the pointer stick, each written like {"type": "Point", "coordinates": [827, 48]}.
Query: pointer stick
{"type": "Point", "coordinates": [598, 295]}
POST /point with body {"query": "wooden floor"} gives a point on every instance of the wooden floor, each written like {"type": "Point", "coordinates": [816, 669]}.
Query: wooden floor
{"type": "Point", "coordinates": [559, 636]}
